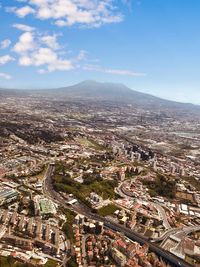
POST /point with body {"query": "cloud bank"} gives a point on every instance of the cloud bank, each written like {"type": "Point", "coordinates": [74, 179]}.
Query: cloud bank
{"type": "Point", "coordinates": [90, 13]}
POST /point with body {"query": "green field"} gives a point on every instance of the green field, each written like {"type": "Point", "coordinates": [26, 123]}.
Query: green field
{"type": "Point", "coordinates": [51, 263]}
{"type": "Point", "coordinates": [107, 210]}
{"type": "Point", "coordinates": [90, 144]}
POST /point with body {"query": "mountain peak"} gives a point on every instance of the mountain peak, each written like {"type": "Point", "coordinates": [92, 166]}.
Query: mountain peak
{"type": "Point", "coordinates": [102, 84]}
{"type": "Point", "coordinates": [94, 90]}
{"type": "Point", "coordinates": [88, 82]}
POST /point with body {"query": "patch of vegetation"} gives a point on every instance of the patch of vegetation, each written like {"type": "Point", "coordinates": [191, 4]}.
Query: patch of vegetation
{"type": "Point", "coordinates": [67, 227]}
{"type": "Point", "coordinates": [31, 208]}
{"type": "Point", "coordinates": [51, 263]}
{"type": "Point", "coordinates": [70, 215]}
{"type": "Point", "coordinates": [130, 173]}
{"type": "Point", "coordinates": [192, 181]}
{"type": "Point", "coordinates": [92, 183]}
{"type": "Point", "coordinates": [39, 175]}
{"type": "Point", "coordinates": [107, 210]}
{"type": "Point", "coordinates": [190, 260]}
{"type": "Point", "coordinates": [152, 192]}
{"type": "Point", "coordinates": [72, 263]}
{"type": "Point", "coordinates": [11, 262]}
{"type": "Point", "coordinates": [162, 186]}
{"type": "Point", "coordinates": [91, 144]}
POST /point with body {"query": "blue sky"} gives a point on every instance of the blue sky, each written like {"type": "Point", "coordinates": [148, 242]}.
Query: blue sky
{"type": "Point", "coordinates": [150, 45]}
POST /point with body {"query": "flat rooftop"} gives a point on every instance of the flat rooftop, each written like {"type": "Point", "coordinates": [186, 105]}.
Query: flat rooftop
{"type": "Point", "coordinates": [47, 206]}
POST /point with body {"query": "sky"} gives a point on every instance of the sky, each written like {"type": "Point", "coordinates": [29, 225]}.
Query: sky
{"type": "Point", "coordinates": [151, 46]}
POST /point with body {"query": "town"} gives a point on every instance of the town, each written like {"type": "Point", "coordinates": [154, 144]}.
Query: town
{"type": "Point", "coordinates": [97, 184]}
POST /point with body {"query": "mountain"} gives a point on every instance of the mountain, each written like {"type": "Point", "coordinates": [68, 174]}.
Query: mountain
{"type": "Point", "coordinates": [118, 93]}
{"type": "Point", "coordinates": [100, 91]}
{"type": "Point", "coordinates": [97, 91]}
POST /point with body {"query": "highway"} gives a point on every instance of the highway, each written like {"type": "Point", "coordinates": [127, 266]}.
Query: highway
{"type": "Point", "coordinates": [163, 215]}
{"type": "Point", "coordinates": [122, 192]}
{"type": "Point", "coordinates": [165, 235]}
{"type": "Point", "coordinates": [181, 232]}
{"type": "Point", "coordinates": [82, 209]}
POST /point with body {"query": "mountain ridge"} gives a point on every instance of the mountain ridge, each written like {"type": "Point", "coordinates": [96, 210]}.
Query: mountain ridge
{"type": "Point", "coordinates": [99, 91]}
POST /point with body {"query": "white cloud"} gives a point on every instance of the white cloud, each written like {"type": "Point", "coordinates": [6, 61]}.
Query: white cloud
{"type": "Point", "coordinates": [42, 71]}
{"type": "Point", "coordinates": [22, 11]}
{"type": "Point", "coordinates": [25, 61]}
{"type": "Point", "coordinates": [5, 76]}
{"type": "Point", "coordinates": [61, 65]}
{"type": "Point", "coordinates": [5, 59]}
{"type": "Point", "coordinates": [50, 41]}
{"type": "Point", "coordinates": [44, 51]}
{"type": "Point", "coordinates": [46, 57]}
{"type": "Point", "coordinates": [25, 43]}
{"type": "Point", "coordinates": [91, 13]}
{"type": "Point", "coordinates": [5, 44]}
{"type": "Point", "coordinates": [23, 27]}
{"type": "Point", "coordinates": [113, 71]}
